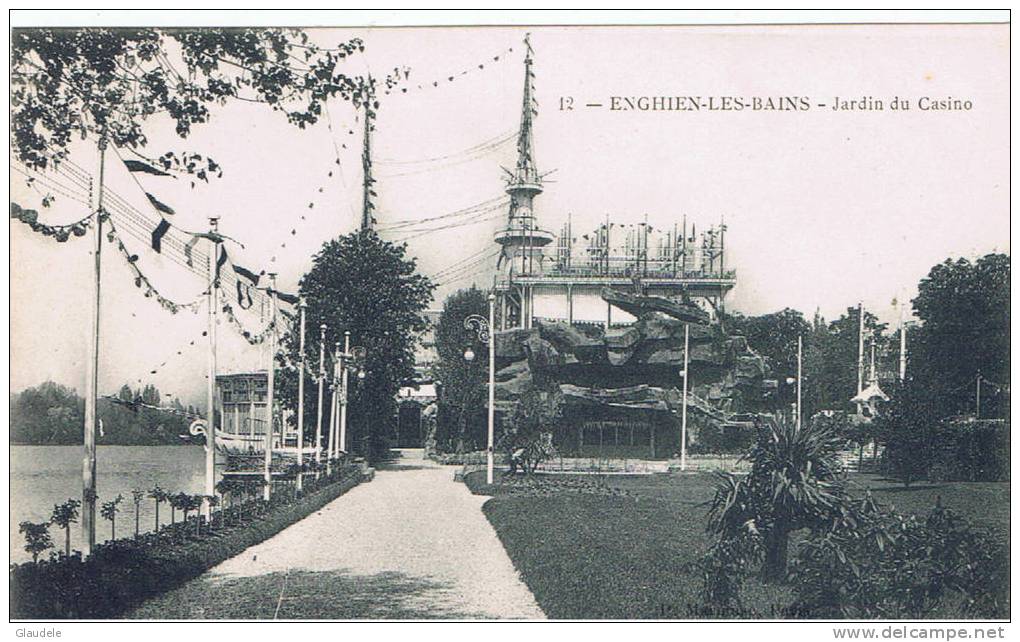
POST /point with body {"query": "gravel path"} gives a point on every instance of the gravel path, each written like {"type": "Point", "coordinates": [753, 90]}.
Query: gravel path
{"type": "Point", "coordinates": [411, 544]}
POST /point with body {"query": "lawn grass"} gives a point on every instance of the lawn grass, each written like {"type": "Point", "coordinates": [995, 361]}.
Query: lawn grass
{"type": "Point", "coordinates": [626, 547]}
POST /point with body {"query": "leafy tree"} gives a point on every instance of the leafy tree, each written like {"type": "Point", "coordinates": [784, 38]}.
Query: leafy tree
{"type": "Point", "coordinates": [369, 287]}
{"type": "Point", "coordinates": [796, 482]}
{"type": "Point", "coordinates": [37, 538]}
{"type": "Point", "coordinates": [773, 336]}
{"type": "Point", "coordinates": [47, 414]}
{"type": "Point", "coordinates": [963, 306]}
{"type": "Point", "coordinates": [68, 83]}
{"type": "Point", "coordinates": [63, 516]}
{"type": "Point", "coordinates": [906, 427]}
{"type": "Point", "coordinates": [109, 511]}
{"type": "Point", "coordinates": [830, 359]}
{"type": "Point", "coordinates": [463, 392]}
{"type": "Point", "coordinates": [53, 414]}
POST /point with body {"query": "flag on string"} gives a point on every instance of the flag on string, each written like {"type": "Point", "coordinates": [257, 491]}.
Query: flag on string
{"type": "Point", "coordinates": [159, 233]}
{"type": "Point", "coordinates": [159, 205]}
{"type": "Point", "coordinates": [138, 166]}
{"type": "Point", "coordinates": [188, 248]}
{"type": "Point", "coordinates": [287, 298]}
{"type": "Point", "coordinates": [244, 300]}
{"type": "Point", "coordinates": [221, 260]}
{"type": "Point", "coordinates": [246, 273]}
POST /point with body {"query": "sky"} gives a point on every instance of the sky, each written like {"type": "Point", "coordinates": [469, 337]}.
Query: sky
{"type": "Point", "coordinates": [823, 208]}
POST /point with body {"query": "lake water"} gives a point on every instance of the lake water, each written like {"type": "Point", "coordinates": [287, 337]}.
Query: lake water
{"type": "Point", "coordinates": [42, 476]}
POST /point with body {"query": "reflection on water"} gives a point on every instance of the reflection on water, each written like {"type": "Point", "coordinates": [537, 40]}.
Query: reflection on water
{"type": "Point", "coordinates": [42, 476]}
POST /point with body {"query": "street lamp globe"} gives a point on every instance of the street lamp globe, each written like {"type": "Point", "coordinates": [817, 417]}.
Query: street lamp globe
{"type": "Point", "coordinates": [469, 354]}
{"type": "Point", "coordinates": [361, 374]}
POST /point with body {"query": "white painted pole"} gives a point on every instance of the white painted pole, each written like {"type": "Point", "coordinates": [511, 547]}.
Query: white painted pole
{"type": "Point", "coordinates": [210, 389]}
{"type": "Point", "coordinates": [683, 410]}
{"type": "Point", "coordinates": [88, 504]}
{"type": "Point", "coordinates": [800, 354]}
{"type": "Point", "coordinates": [270, 380]}
{"type": "Point", "coordinates": [860, 352]}
{"type": "Point", "coordinates": [490, 459]}
{"type": "Point", "coordinates": [322, 377]}
{"type": "Point", "coordinates": [342, 443]}
{"type": "Point", "coordinates": [903, 345]}
{"type": "Point", "coordinates": [333, 410]}
{"type": "Point", "coordinates": [301, 400]}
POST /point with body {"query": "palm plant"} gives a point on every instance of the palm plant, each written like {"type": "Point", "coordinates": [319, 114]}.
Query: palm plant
{"type": "Point", "coordinates": [109, 511]}
{"type": "Point", "coordinates": [159, 496]}
{"type": "Point", "coordinates": [796, 482]}
{"type": "Point", "coordinates": [137, 495]}
{"type": "Point", "coordinates": [63, 516]}
{"type": "Point", "coordinates": [37, 538]}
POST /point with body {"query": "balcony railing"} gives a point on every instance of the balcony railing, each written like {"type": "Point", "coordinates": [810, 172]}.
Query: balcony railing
{"type": "Point", "coordinates": [619, 267]}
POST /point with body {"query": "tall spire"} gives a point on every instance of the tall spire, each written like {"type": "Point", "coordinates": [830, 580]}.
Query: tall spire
{"type": "Point", "coordinates": [526, 172]}
{"type": "Point", "coordinates": [524, 183]}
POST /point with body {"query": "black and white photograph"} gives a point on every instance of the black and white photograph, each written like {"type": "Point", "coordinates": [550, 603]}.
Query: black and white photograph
{"type": "Point", "coordinates": [333, 316]}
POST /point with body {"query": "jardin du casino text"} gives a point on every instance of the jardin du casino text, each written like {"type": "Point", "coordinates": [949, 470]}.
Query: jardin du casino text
{"type": "Point", "coordinates": [769, 103]}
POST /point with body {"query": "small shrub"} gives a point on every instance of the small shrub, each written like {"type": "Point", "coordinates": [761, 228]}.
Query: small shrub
{"type": "Point", "coordinates": [883, 565]}
{"type": "Point", "coordinates": [37, 538]}
{"type": "Point", "coordinates": [122, 573]}
{"type": "Point", "coordinates": [63, 516]}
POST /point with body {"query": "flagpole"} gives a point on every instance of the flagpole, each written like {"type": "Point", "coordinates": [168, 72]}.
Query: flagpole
{"type": "Point", "coordinates": [800, 349]}
{"type": "Point", "coordinates": [322, 377]}
{"type": "Point", "coordinates": [210, 388]}
{"type": "Point", "coordinates": [88, 517]}
{"type": "Point", "coordinates": [683, 411]}
{"type": "Point", "coordinates": [270, 380]}
{"type": "Point", "coordinates": [903, 341]}
{"type": "Point", "coordinates": [332, 404]}
{"type": "Point", "coordinates": [301, 401]}
{"type": "Point", "coordinates": [342, 443]}
{"type": "Point", "coordinates": [860, 352]}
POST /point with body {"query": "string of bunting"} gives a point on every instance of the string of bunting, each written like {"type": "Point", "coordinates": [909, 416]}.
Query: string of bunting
{"type": "Point", "coordinates": [449, 78]}
{"type": "Point", "coordinates": [253, 338]}
{"type": "Point", "coordinates": [141, 281]}
{"type": "Point", "coordinates": [59, 232]}
{"type": "Point", "coordinates": [134, 406]}
{"type": "Point", "coordinates": [180, 351]}
{"type": "Point", "coordinates": [329, 174]}
{"type": "Point", "coordinates": [33, 178]}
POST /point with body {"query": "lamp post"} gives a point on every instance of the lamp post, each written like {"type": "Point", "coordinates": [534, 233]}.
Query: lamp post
{"type": "Point", "coordinates": [301, 400]}
{"type": "Point", "coordinates": [267, 472]}
{"type": "Point", "coordinates": [322, 377]}
{"type": "Point", "coordinates": [342, 442]}
{"type": "Point", "coordinates": [483, 329]}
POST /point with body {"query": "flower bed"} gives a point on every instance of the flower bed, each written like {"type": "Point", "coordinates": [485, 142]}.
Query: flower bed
{"type": "Point", "coordinates": [121, 574]}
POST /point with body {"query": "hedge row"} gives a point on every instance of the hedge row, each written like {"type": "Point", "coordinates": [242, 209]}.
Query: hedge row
{"type": "Point", "coordinates": [971, 451]}
{"type": "Point", "coordinates": [121, 574]}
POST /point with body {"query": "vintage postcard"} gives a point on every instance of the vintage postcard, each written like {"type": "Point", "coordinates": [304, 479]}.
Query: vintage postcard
{"type": "Point", "coordinates": [698, 320]}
